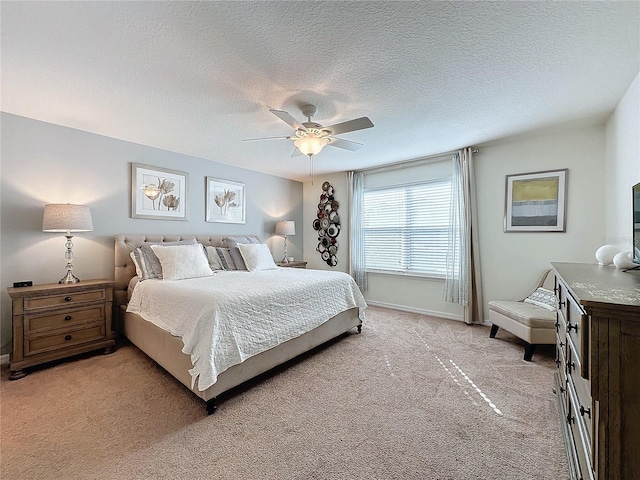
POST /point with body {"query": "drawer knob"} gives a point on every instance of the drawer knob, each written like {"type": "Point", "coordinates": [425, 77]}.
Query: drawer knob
{"type": "Point", "coordinates": [558, 362]}
{"type": "Point", "coordinates": [562, 390]}
{"type": "Point", "coordinates": [67, 338]}
{"type": "Point", "coordinates": [67, 318]}
{"type": "Point", "coordinates": [561, 303]}
{"type": "Point", "coordinates": [67, 299]}
{"type": "Point", "coordinates": [570, 419]}
{"type": "Point", "coordinates": [585, 411]}
{"type": "Point", "coordinates": [569, 327]}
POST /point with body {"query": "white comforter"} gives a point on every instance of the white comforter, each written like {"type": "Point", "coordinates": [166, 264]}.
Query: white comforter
{"type": "Point", "coordinates": [233, 315]}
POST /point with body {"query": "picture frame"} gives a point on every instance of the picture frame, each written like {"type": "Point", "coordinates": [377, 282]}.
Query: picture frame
{"type": "Point", "coordinates": [536, 202]}
{"type": "Point", "coordinates": [225, 201]}
{"type": "Point", "coordinates": [158, 193]}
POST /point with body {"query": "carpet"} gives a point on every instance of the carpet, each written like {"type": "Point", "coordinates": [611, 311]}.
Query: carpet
{"type": "Point", "coordinates": [412, 397]}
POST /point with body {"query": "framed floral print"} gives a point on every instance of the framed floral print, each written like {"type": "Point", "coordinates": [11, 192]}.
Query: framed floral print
{"type": "Point", "coordinates": [536, 202]}
{"type": "Point", "coordinates": [225, 201]}
{"type": "Point", "coordinates": [158, 193]}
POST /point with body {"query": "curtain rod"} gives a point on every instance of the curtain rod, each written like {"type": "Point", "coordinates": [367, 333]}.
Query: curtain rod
{"type": "Point", "coordinates": [411, 163]}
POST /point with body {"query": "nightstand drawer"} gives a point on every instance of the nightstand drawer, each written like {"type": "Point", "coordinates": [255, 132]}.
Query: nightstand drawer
{"type": "Point", "coordinates": [67, 318]}
{"type": "Point", "coordinates": [66, 299]}
{"type": "Point", "coordinates": [45, 343]}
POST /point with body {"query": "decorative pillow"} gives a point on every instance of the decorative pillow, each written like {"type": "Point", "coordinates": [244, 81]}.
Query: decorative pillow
{"type": "Point", "coordinates": [152, 259]}
{"type": "Point", "coordinates": [226, 260]}
{"type": "Point", "coordinates": [257, 256]}
{"type": "Point", "coordinates": [182, 261]}
{"type": "Point", "coordinates": [214, 259]}
{"type": "Point", "coordinates": [232, 244]}
{"type": "Point", "coordinates": [143, 270]}
{"type": "Point", "coordinates": [543, 298]}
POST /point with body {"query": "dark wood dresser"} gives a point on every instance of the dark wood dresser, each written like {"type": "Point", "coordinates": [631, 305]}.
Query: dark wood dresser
{"type": "Point", "coordinates": [598, 378]}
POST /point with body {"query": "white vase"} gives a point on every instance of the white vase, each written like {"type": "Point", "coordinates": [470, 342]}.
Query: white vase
{"type": "Point", "coordinates": [605, 254]}
{"type": "Point", "coordinates": [623, 260]}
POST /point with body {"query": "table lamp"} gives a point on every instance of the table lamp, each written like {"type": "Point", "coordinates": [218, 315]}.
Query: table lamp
{"type": "Point", "coordinates": [67, 218]}
{"type": "Point", "coordinates": [285, 227]}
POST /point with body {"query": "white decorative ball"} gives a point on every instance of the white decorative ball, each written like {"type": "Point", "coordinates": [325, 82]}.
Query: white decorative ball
{"type": "Point", "coordinates": [605, 254]}
{"type": "Point", "coordinates": [623, 260]}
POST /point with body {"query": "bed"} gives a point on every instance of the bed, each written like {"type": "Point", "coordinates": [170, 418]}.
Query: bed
{"type": "Point", "coordinates": [168, 349]}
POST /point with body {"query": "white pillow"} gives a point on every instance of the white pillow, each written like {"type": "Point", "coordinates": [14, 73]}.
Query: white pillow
{"type": "Point", "coordinates": [543, 298]}
{"type": "Point", "coordinates": [182, 261]}
{"type": "Point", "coordinates": [257, 256]}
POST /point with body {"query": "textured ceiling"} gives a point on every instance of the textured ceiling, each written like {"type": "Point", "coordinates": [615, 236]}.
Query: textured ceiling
{"type": "Point", "coordinates": [199, 77]}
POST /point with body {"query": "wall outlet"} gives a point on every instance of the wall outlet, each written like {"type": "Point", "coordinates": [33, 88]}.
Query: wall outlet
{"type": "Point", "coordinates": [27, 283]}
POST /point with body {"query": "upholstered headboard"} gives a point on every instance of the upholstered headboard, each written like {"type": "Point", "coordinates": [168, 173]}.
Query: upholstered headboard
{"type": "Point", "coordinates": [124, 268]}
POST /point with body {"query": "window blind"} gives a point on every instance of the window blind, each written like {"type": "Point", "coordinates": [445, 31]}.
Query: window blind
{"type": "Point", "coordinates": [406, 228]}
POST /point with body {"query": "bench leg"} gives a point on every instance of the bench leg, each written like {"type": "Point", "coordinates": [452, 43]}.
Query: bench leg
{"type": "Point", "coordinates": [528, 351]}
{"type": "Point", "coordinates": [494, 330]}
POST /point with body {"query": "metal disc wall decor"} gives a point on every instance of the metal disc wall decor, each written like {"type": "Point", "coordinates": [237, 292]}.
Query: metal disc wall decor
{"type": "Point", "coordinates": [328, 225]}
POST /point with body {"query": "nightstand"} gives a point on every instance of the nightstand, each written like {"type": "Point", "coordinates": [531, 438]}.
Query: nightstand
{"type": "Point", "coordinates": [54, 321]}
{"type": "Point", "coordinates": [294, 264]}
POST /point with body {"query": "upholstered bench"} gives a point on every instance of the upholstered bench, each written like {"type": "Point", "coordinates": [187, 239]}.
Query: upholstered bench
{"type": "Point", "coordinates": [531, 319]}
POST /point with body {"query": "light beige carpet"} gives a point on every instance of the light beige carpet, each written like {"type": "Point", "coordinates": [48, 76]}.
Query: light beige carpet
{"type": "Point", "coordinates": [412, 397]}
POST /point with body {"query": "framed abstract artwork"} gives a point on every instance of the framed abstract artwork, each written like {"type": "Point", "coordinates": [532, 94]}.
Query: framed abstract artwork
{"type": "Point", "coordinates": [225, 201]}
{"type": "Point", "coordinates": [158, 193]}
{"type": "Point", "coordinates": [536, 202]}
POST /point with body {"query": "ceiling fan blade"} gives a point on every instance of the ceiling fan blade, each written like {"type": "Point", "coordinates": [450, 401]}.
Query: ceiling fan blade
{"type": "Point", "coordinates": [350, 126]}
{"type": "Point", "coordinates": [265, 138]}
{"type": "Point", "coordinates": [288, 119]}
{"type": "Point", "coordinates": [297, 153]}
{"type": "Point", "coordinates": [346, 144]}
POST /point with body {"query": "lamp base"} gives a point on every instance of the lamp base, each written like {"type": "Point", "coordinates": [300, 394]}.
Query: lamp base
{"type": "Point", "coordinates": [285, 260]}
{"type": "Point", "coordinates": [69, 278]}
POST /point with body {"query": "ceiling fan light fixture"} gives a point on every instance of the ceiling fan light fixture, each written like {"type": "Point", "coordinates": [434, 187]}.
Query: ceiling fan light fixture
{"type": "Point", "coordinates": [310, 145]}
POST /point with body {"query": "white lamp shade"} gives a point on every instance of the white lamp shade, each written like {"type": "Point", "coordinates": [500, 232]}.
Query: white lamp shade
{"type": "Point", "coordinates": [286, 227]}
{"type": "Point", "coordinates": [310, 145]}
{"type": "Point", "coordinates": [63, 217]}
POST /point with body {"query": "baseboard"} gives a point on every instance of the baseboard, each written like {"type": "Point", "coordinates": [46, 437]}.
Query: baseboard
{"type": "Point", "coordinates": [4, 359]}
{"type": "Point", "coordinates": [403, 308]}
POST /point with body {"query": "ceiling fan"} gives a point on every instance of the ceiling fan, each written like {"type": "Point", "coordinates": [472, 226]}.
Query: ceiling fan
{"type": "Point", "coordinates": [310, 137]}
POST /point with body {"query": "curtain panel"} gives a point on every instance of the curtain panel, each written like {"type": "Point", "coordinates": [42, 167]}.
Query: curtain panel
{"type": "Point", "coordinates": [462, 282]}
{"type": "Point", "coordinates": [355, 186]}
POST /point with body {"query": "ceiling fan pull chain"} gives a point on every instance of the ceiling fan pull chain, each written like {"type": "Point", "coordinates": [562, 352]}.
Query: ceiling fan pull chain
{"type": "Point", "coordinates": [311, 168]}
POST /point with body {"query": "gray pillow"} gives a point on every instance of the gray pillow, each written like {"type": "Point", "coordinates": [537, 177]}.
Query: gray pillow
{"type": "Point", "coordinates": [152, 259]}
{"type": "Point", "coordinates": [232, 245]}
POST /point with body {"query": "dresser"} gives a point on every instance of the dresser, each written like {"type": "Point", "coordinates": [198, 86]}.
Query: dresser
{"type": "Point", "coordinates": [598, 377]}
{"type": "Point", "coordinates": [54, 321]}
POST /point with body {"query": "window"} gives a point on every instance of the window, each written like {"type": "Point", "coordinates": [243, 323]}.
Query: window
{"type": "Point", "coordinates": [406, 228]}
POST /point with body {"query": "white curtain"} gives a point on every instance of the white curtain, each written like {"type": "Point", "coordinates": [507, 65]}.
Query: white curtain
{"type": "Point", "coordinates": [355, 185]}
{"type": "Point", "coordinates": [462, 282]}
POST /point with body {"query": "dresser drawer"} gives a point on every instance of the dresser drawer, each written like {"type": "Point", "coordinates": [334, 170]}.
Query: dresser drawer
{"type": "Point", "coordinates": [45, 343]}
{"type": "Point", "coordinates": [576, 325]}
{"type": "Point", "coordinates": [67, 318]}
{"type": "Point", "coordinates": [582, 441]}
{"type": "Point", "coordinates": [65, 299]}
{"type": "Point", "coordinates": [581, 391]}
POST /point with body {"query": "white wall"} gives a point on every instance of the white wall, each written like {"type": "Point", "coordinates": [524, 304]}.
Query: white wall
{"type": "Point", "coordinates": [622, 167]}
{"type": "Point", "coordinates": [511, 262]}
{"type": "Point", "coordinates": [44, 163]}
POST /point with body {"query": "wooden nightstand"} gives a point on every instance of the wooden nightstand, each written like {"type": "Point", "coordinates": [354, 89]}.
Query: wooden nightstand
{"type": "Point", "coordinates": [54, 321]}
{"type": "Point", "coordinates": [294, 264]}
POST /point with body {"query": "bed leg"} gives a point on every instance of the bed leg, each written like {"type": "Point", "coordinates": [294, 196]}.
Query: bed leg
{"type": "Point", "coordinates": [211, 406]}
{"type": "Point", "coordinates": [359, 328]}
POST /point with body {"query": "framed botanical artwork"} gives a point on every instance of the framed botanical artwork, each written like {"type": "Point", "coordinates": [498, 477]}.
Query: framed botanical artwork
{"type": "Point", "coordinates": [225, 201]}
{"type": "Point", "coordinates": [536, 202]}
{"type": "Point", "coordinates": [158, 193]}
